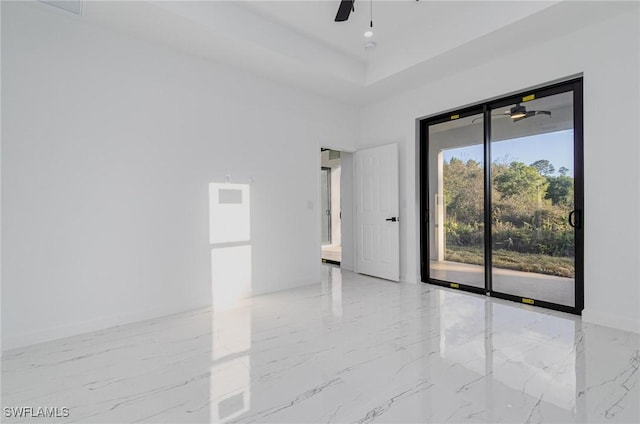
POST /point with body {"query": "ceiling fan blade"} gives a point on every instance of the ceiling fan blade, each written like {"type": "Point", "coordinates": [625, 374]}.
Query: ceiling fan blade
{"type": "Point", "coordinates": [344, 10]}
{"type": "Point", "coordinates": [520, 118]}
{"type": "Point", "coordinates": [495, 115]}
{"type": "Point", "coordinates": [531, 113]}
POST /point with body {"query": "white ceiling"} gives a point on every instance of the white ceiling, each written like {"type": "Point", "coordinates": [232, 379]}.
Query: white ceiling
{"type": "Point", "coordinates": [298, 42]}
{"type": "Point", "coordinates": [407, 32]}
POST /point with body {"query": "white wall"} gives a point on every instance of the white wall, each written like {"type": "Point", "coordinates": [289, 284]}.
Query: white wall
{"type": "Point", "coordinates": [607, 54]}
{"type": "Point", "coordinates": [348, 211]}
{"type": "Point", "coordinates": [109, 144]}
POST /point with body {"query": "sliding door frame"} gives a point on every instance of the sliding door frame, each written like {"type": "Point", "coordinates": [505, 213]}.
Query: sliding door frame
{"type": "Point", "coordinates": [575, 86]}
{"type": "Point", "coordinates": [424, 194]}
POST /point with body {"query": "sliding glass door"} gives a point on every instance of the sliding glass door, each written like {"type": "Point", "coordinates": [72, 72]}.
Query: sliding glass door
{"type": "Point", "coordinates": [533, 214]}
{"type": "Point", "coordinates": [512, 229]}
{"type": "Point", "coordinates": [456, 201]}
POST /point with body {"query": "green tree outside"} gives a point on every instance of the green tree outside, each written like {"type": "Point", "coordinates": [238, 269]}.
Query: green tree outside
{"type": "Point", "coordinates": [529, 215]}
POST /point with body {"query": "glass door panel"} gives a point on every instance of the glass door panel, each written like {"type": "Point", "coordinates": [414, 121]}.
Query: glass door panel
{"type": "Point", "coordinates": [456, 201]}
{"type": "Point", "coordinates": [532, 196]}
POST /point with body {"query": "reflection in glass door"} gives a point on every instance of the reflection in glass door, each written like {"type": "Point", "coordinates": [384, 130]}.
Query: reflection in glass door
{"type": "Point", "coordinates": [456, 201]}
{"type": "Point", "coordinates": [532, 199]}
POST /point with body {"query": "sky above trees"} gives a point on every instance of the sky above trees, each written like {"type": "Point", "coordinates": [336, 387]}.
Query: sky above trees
{"type": "Point", "coordinates": [556, 147]}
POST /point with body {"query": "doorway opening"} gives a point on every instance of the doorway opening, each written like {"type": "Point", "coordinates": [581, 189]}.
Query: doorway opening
{"type": "Point", "coordinates": [330, 206]}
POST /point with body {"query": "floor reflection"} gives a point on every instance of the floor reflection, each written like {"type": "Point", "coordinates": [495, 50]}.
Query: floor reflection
{"type": "Point", "coordinates": [332, 290]}
{"type": "Point", "coordinates": [538, 358]}
{"type": "Point", "coordinates": [230, 380]}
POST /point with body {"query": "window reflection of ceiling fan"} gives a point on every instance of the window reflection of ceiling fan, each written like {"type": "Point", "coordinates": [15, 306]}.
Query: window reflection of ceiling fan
{"type": "Point", "coordinates": [518, 113]}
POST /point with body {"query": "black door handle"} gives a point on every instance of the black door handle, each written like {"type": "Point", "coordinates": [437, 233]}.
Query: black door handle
{"type": "Point", "coordinates": [574, 220]}
{"type": "Point", "coordinates": [572, 216]}
{"type": "Point", "coordinates": [392, 219]}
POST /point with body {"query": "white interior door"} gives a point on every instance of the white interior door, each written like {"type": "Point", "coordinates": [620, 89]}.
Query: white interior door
{"type": "Point", "coordinates": [377, 217]}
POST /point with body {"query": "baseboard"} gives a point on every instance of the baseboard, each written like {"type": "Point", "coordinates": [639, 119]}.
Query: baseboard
{"type": "Point", "coordinates": [290, 286]}
{"type": "Point", "coordinates": [74, 329]}
{"type": "Point", "coordinates": [411, 279]}
{"type": "Point", "coordinates": [346, 266]}
{"type": "Point", "coordinates": [610, 320]}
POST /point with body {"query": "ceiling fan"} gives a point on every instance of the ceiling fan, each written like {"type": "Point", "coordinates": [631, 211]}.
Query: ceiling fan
{"type": "Point", "coordinates": [344, 10]}
{"type": "Point", "coordinates": [518, 113]}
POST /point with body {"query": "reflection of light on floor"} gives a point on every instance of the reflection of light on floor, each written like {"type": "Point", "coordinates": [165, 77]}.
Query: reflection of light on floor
{"type": "Point", "coordinates": [459, 329]}
{"type": "Point", "coordinates": [533, 351]}
{"type": "Point", "coordinates": [332, 290]}
{"type": "Point", "coordinates": [511, 345]}
{"type": "Point", "coordinates": [230, 383]}
{"type": "Point", "coordinates": [230, 239]}
{"type": "Point", "coordinates": [230, 389]}
{"type": "Point", "coordinates": [336, 295]}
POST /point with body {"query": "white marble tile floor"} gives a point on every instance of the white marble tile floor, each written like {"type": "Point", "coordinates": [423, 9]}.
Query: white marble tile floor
{"type": "Point", "coordinates": [352, 349]}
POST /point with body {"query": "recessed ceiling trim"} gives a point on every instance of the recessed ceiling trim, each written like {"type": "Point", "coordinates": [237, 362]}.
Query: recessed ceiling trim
{"type": "Point", "coordinates": [74, 6]}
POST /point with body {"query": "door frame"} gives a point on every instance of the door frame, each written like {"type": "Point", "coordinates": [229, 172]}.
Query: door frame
{"type": "Point", "coordinates": [329, 235]}
{"type": "Point", "coordinates": [574, 85]}
{"type": "Point", "coordinates": [347, 205]}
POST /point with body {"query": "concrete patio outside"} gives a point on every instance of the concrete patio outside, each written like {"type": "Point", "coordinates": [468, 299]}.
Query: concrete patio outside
{"type": "Point", "coordinates": [550, 288]}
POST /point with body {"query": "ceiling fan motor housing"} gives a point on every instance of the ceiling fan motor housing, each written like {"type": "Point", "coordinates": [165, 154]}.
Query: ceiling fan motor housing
{"type": "Point", "coordinates": [518, 110]}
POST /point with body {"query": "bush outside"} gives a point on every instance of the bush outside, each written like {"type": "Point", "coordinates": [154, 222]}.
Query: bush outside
{"type": "Point", "coordinates": [529, 217]}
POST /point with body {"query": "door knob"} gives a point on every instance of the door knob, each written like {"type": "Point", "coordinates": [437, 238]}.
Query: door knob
{"type": "Point", "coordinates": [393, 219]}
